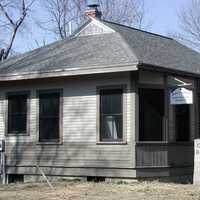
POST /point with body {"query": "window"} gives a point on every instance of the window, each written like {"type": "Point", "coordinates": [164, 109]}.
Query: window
{"type": "Point", "coordinates": [49, 116]}
{"type": "Point", "coordinates": [17, 113]}
{"type": "Point", "coordinates": [182, 122]}
{"type": "Point", "coordinates": [111, 115]}
{"type": "Point", "coordinates": [182, 114]}
{"type": "Point", "coordinates": [151, 114]}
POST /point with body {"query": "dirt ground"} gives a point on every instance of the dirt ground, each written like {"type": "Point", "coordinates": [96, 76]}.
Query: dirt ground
{"type": "Point", "coordinates": [100, 191]}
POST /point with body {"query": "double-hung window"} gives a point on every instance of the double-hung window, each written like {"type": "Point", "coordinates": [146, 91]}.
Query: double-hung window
{"type": "Point", "coordinates": [17, 113]}
{"type": "Point", "coordinates": [111, 115]}
{"type": "Point", "coordinates": [49, 116]}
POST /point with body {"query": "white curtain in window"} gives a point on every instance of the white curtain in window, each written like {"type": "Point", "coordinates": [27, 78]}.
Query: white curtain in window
{"type": "Point", "coordinates": [111, 127]}
{"type": "Point", "coordinates": [115, 135]}
{"type": "Point", "coordinates": [108, 126]}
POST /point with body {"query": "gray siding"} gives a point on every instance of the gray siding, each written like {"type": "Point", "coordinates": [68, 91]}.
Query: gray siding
{"type": "Point", "coordinates": [105, 172]}
{"type": "Point", "coordinates": [79, 154]}
{"type": "Point", "coordinates": [79, 148]}
{"type": "Point", "coordinates": [69, 155]}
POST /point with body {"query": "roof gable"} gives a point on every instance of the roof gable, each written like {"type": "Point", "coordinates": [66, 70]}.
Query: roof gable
{"type": "Point", "coordinates": [94, 27]}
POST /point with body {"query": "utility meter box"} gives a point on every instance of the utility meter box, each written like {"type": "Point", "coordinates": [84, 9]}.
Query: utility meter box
{"type": "Point", "coordinates": [2, 145]}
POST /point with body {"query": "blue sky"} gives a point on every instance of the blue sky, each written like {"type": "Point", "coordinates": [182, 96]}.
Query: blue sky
{"type": "Point", "coordinates": [162, 14]}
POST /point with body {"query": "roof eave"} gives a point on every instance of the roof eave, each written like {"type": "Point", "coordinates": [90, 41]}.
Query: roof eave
{"type": "Point", "coordinates": [75, 71]}
{"type": "Point", "coordinates": [158, 68]}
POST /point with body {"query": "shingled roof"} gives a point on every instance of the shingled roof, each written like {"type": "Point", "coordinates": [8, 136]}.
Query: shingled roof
{"type": "Point", "coordinates": [157, 50]}
{"type": "Point", "coordinates": [113, 47]}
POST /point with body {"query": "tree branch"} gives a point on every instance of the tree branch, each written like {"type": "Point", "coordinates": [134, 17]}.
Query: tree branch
{"type": "Point", "coordinates": [6, 15]}
{"type": "Point", "coordinates": [189, 18]}
{"type": "Point", "coordinates": [15, 25]}
{"type": "Point", "coordinates": [1, 54]}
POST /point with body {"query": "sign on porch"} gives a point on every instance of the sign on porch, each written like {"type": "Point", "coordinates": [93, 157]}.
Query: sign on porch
{"type": "Point", "coordinates": [181, 96]}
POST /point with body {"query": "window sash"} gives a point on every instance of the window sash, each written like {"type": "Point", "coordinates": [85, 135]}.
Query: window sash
{"type": "Point", "coordinates": [111, 122]}
{"type": "Point", "coordinates": [50, 133]}
{"type": "Point", "coordinates": [109, 98]}
{"type": "Point", "coordinates": [111, 129]}
{"type": "Point", "coordinates": [14, 123]}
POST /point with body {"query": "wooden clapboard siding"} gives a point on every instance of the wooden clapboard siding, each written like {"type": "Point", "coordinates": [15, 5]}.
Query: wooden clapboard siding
{"type": "Point", "coordinates": [121, 173]}
{"type": "Point", "coordinates": [78, 148]}
{"type": "Point", "coordinates": [79, 105]}
{"type": "Point", "coordinates": [69, 155]}
{"type": "Point", "coordinates": [164, 155]}
{"type": "Point", "coordinates": [150, 155]}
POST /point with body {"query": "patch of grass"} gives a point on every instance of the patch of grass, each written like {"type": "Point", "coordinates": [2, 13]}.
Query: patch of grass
{"type": "Point", "coordinates": [78, 190]}
{"type": "Point", "coordinates": [122, 183]}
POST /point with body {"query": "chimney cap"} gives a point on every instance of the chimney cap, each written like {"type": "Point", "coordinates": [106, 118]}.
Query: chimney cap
{"type": "Point", "coordinates": [93, 3]}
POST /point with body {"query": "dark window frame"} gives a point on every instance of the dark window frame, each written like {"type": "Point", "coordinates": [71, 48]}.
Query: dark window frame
{"type": "Point", "coordinates": [190, 87]}
{"type": "Point", "coordinates": [49, 91]}
{"type": "Point", "coordinates": [180, 137]}
{"type": "Point", "coordinates": [153, 87]}
{"type": "Point", "coordinates": [27, 132]}
{"type": "Point", "coordinates": [166, 108]}
{"type": "Point", "coordinates": [170, 88]}
{"type": "Point", "coordinates": [169, 133]}
{"type": "Point", "coordinates": [123, 87]}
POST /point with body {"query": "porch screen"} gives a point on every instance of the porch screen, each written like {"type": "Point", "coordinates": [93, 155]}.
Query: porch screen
{"type": "Point", "coordinates": [151, 114]}
{"type": "Point", "coordinates": [111, 115]}
{"type": "Point", "coordinates": [49, 110]}
{"type": "Point", "coordinates": [17, 113]}
{"type": "Point", "coordinates": [182, 122]}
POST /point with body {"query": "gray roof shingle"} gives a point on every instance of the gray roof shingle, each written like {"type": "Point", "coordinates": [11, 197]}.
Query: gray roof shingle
{"type": "Point", "coordinates": [125, 46]}
{"type": "Point", "coordinates": [97, 50]}
{"type": "Point", "coordinates": [159, 50]}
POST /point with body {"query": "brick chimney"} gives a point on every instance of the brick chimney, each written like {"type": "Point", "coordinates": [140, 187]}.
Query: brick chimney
{"type": "Point", "coordinates": [93, 9]}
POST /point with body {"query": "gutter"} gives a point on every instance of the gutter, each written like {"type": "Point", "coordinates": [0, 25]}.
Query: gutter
{"type": "Point", "coordinates": [73, 71]}
{"type": "Point", "coordinates": [158, 68]}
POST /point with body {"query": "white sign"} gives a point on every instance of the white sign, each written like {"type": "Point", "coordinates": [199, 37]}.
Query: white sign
{"type": "Point", "coordinates": [181, 96]}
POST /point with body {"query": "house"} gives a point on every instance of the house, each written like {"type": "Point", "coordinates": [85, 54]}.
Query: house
{"type": "Point", "coordinates": [109, 101]}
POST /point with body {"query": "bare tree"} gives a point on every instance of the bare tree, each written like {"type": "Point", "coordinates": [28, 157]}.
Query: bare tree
{"type": "Point", "coordinates": [128, 12]}
{"type": "Point", "coordinates": [189, 18]}
{"type": "Point", "coordinates": [13, 14]}
{"type": "Point", "coordinates": [65, 15]}
{"type": "Point", "coordinates": [62, 14]}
